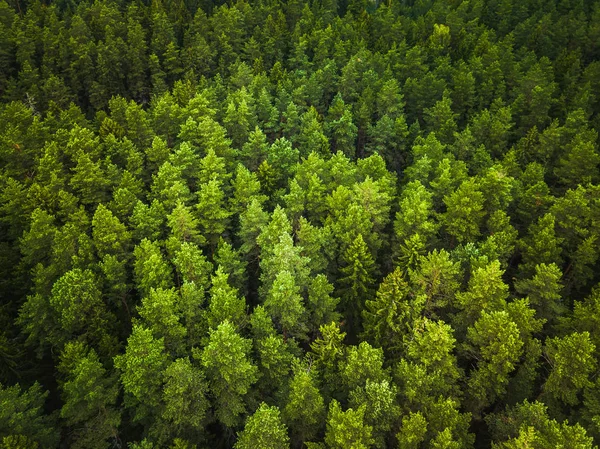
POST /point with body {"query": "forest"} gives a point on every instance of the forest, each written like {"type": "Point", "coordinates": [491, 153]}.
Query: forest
{"type": "Point", "coordinates": [325, 224]}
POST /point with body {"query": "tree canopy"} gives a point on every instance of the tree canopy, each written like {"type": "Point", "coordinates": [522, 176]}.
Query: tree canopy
{"type": "Point", "coordinates": [300, 224]}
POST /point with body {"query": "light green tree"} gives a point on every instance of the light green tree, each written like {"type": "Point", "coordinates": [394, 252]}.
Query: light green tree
{"type": "Point", "coordinates": [263, 430]}
{"type": "Point", "coordinates": [347, 430]}
{"type": "Point", "coordinates": [229, 371]}
{"type": "Point", "coordinates": [89, 396]}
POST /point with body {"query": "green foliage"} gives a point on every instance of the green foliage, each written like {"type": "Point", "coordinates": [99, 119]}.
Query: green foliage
{"type": "Point", "coordinates": [436, 277]}
{"type": "Point", "coordinates": [357, 276]}
{"type": "Point", "coordinates": [22, 417]}
{"type": "Point", "coordinates": [464, 212]}
{"type": "Point", "coordinates": [544, 291]}
{"type": "Point", "coordinates": [414, 216]}
{"type": "Point", "coordinates": [528, 425]}
{"type": "Point", "coordinates": [141, 368]}
{"type": "Point", "coordinates": [285, 304]}
{"type": "Point", "coordinates": [362, 363]}
{"type": "Point", "coordinates": [304, 411]}
{"type": "Point", "coordinates": [150, 268]}
{"type": "Point", "coordinates": [224, 303]}
{"type": "Point", "coordinates": [229, 371]}
{"type": "Point", "coordinates": [264, 430]}
{"type": "Point", "coordinates": [572, 362]}
{"type": "Point", "coordinates": [486, 292]}
{"type": "Point", "coordinates": [226, 218]}
{"type": "Point", "coordinates": [185, 389]}
{"type": "Point", "coordinates": [541, 245]}
{"type": "Point", "coordinates": [57, 319]}
{"type": "Point", "coordinates": [89, 397]}
{"type": "Point", "coordinates": [347, 429]}
{"type": "Point", "coordinates": [496, 343]}
{"type": "Point", "coordinates": [159, 312]}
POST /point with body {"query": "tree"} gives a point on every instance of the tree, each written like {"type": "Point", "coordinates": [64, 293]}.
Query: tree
{"type": "Point", "coordinates": [282, 256]}
{"type": "Point", "coordinates": [329, 350]}
{"type": "Point", "coordinates": [141, 372]}
{"type": "Point", "coordinates": [109, 234]}
{"type": "Point", "coordinates": [150, 268]}
{"type": "Point", "coordinates": [238, 121]}
{"type": "Point", "coordinates": [89, 180]}
{"type": "Point", "coordinates": [229, 371]}
{"type": "Point", "coordinates": [285, 157]}
{"type": "Point", "coordinates": [497, 188]}
{"type": "Point", "coordinates": [285, 305]}
{"type": "Point", "coordinates": [211, 211]}
{"type": "Point", "coordinates": [224, 303]}
{"type": "Point", "coordinates": [486, 292]}
{"type": "Point", "coordinates": [375, 198]}
{"type": "Point", "coordinates": [357, 277]}
{"type": "Point", "coordinates": [579, 163]}
{"type": "Point", "coordinates": [347, 429]}
{"type": "Point", "coordinates": [501, 240]}
{"type": "Point", "coordinates": [528, 425]}
{"type": "Point", "coordinates": [412, 433]}
{"type": "Point", "coordinates": [231, 261]}
{"type": "Point", "coordinates": [389, 138]}
{"type": "Point", "coordinates": [275, 355]}
{"type": "Point", "coordinates": [169, 187]}
{"type": "Point", "coordinates": [192, 265]}
{"type": "Point", "coordinates": [246, 187]}
{"type": "Point", "coordinates": [380, 399]}
{"type": "Point", "coordinates": [147, 221]}
{"type": "Point", "coordinates": [436, 277]}
{"type": "Point", "coordinates": [310, 137]}
{"type": "Point", "coordinates": [362, 363]}
{"type": "Point", "coordinates": [255, 150]}
{"type": "Point", "coordinates": [184, 228]}
{"type": "Point", "coordinates": [316, 244]}
{"type": "Point", "coordinates": [415, 215]}
{"type": "Point", "coordinates": [464, 212]}
{"type": "Point", "coordinates": [252, 222]}
{"type": "Point", "coordinates": [184, 395]}
{"type": "Point", "coordinates": [263, 430]}
{"type": "Point", "coordinates": [160, 313]}
{"type": "Point", "coordinates": [89, 395]}
{"type": "Point", "coordinates": [496, 343]}
{"type": "Point", "coordinates": [321, 305]}
{"type": "Point", "coordinates": [441, 119]}
{"type": "Point", "coordinates": [36, 242]}
{"type": "Point", "coordinates": [342, 130]}
{"type": "Point", "coordinates": [22, 417]}
{"type": "Point", "coordinates": [544, 291]}
{"type": "Point", "coordinates": [388, 318]}
{"type": "Point", "coordinates": [572, 361]}
{"type": "Point", "coordinates": [491, 127]}
{"type": "Point", "coordinates": [304, 411]}
{"type": "Point", "coordinates": [541, 245]}
{"type": "Point", "coordinates": [59, 318]}
{"type": "Point", "coordinates": [429, 369]}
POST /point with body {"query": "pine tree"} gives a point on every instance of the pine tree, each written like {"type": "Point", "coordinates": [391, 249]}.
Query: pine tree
{"type": "Point", "coordinates": [572, 362]}
{"type": "Point", "coordinates": [388, 318]}
{"type": "Point", "coordinates": [22, 417]}
{"type": "Point", "coordinates": [141, 370]}
{"type": "Point", "coordinates": [184, 395]}
{"type": "Point", "coordinates": [347, 429]}
{"type": "Point", "coordinates": [304, 411]}
{"type": "Point", "coordinates": [89, 395]}
{"type": "Point", "coordinates": [264, 430]}
{"type": "Point", "coordinates": [464, 212]}
{"type": "Point", "coordinates": [357, 278]}
{"type": "Point", "coordinates": [229, 371]}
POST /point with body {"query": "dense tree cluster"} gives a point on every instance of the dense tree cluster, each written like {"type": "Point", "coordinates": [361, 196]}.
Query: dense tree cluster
{"type": "Point", "coordinates": [335, 224]}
